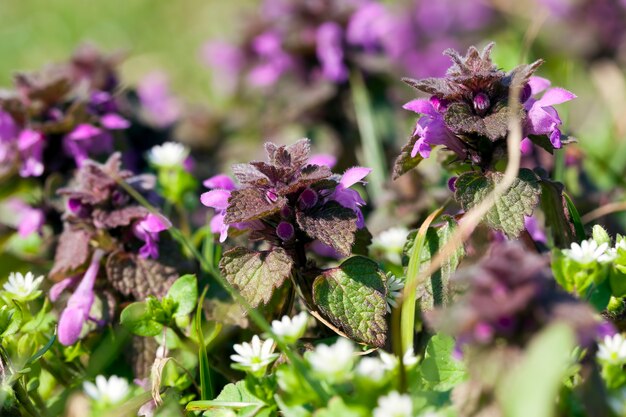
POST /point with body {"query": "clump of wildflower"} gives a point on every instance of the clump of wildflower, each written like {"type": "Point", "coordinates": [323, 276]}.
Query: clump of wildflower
{"type": "Point", "coordinates": [512, 295]}
{"type": "Point", "coordinates": [286, 200]}
{"type": "Point", "coordinates": [23, 287]}
{"type": "Point", "coordinates": [394, 405]}
{"type": "Point", "coordinates": [468, 110]}
{"type": "Point", "coordinates": [109, 391]}
{"type": "Point", "coordinates": [612, 350]}
{"type": "Point", "coordinates": [291, 329]}
{"type": "Point", "coordinates": [254, 357]}
{"type": "Point", "coordinates": [333, 361]}
{"type": "Point", "coordinates": [389, 244]}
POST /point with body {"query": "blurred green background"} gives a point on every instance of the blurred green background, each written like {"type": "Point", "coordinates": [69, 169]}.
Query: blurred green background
{"type": "Point", "coordinates": [158, 35]}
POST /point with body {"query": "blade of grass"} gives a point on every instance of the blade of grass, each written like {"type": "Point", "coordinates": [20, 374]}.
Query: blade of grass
{"type": "Point", "coordinates": [573, 212]}
{"type": "Point", "coordinates": [255, 315]}
{"type": "Point", "coordinates": [206, 384]}
{"type": "Point", "coordinates": [407, 323]}
{"type": "Point", "coordinates": [372, 149]}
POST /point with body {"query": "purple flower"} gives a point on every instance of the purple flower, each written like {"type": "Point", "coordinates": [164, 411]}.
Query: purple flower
{"type": "Point", "coordinates": [162, 108]}
{"type": "Point", "coordinates": [114, 121]}
{"type": "Point", "coordinates": [8, 127]}
{"type": "Point", "coordinates": [274, 60]}
{"type": "Point", "coordinates": [79, 304]}
{"type": "Point", "coordinates": [323, 160]}
{"type": "Point", "coordinates": [348, 197]}
{"type": "Point", "coordinates": [29, 219]}
{"type": "Point", "coordinates": [86, 138]}
{"type": "Point", "coordinates": [221, 185]}
{"type": "Point", "coordinates": [534, 229]}
{"type": "Point", "coordinates": [431, 129]}
{"type": "Point", "coordinates": [30, 145]}
{"type": "Point", "coordinates": [227, 62]}
{"type": "Point", "coordinates": [542, 116]}
{"type": "Point", "coordinates": [368, 26]}
{"type": "Point", "coordinates": [330, 51]}
{"type": "Point", "coordinates": [57, 289]}
{"type": "Point", "coordinates": [148, 230]}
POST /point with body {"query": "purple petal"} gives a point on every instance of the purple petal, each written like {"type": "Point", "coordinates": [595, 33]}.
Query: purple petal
{"type": "Point", "coordinates": [155, 224]}
{"type": "Point", "coordinates": [28, 138]}
{"type": "Point", "coordinates": [59, 287]}
{"type": "Point", "coordinates": [84, 131]}
{"type": "Point", "coordinates": [421, 147]}
{"type": "Point", "coordinates": [330, 51]}
{"type": "Point", "coordinates": [535, 231]}
{"type": "Point", "coordinates": [71, 325]}
{"type": "Point", "coordinates": [555, 138]}
{"type": "Point", "coordinates": [217, 199]}
{"type": "Point", "coordinates": [538, 84]}
{"type": "Point", "coordinates": [353, 175]}
{"type": "Point", "coordinates": [31, 221]}
{"type": "Point", "coordinates": [114, 121]}
{"type": "Point", "coordinates": [421, 106]}
{"type": "Point", "coordinates": [323, 160]}
{"type": "Point", "coordinates": [222, 181]}
{"type": "Point", "coordinates": [8, 128]}
{"type": "Point", "coordinates": [555, 96]}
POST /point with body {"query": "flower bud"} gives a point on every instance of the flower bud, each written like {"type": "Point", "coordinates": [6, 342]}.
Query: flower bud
{"type": "Point", "coordinates": [481, 103]}
{"type": "Point", "coordinates": [308, 198]}
{"type": "Point", "coordinates": [439, 104]}
{"type": "Point", "coordinates": [285, 231]}
{"type": "Point", "coordinates": [525, 93]}
{"type": "Point", "coordinates": [271, 195]}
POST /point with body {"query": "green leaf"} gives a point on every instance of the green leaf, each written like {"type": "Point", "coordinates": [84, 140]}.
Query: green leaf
{"type": "Point", "coordinates": [332, 224]}
{"type": "Point", "coordinates": [352, 297]}
{"type": "Point", "coordinates": [575, 216]}
{"type": "Point", "coordinates": [507, 214]}
{"type": "Point", "coordinates": [184, 291]}
{"type": "Point", "coordinates": [436, 291]}
{"type": "Point", "coordinates": [256, 274]}
{"type": "Point", "coordinates": [137, 318]}
{"type": "Point", "coordinates": [557, 216]}
{"type": "Point", "coordinates": [531, 387]}
{"type": "Point", "coordinates": [405, 162]}
{"type": "Point", "coordinates": [439, 369]}
{"type": "Point", "coordinates": [10, 320]}
{"type": "Point", "coordinates": [233, 396]}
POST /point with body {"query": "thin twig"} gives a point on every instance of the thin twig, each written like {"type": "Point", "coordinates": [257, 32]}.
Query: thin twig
{"type": "Point", "coordinates": [604, 211]}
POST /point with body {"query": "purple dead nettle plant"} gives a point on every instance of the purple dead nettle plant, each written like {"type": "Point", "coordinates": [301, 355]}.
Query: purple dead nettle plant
{"type": "Point", "coordinates": [468, 113]}
{"type": "Point", "coordinates": [118, 242]}
{"type": "Point", "coordinates": [288, 205]}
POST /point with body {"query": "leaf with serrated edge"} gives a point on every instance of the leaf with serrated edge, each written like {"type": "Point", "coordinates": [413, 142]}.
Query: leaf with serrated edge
{"type": "Point", "coordinates": [250, 204]}
{"type": "Point", "coordinates": [507, 214]}
{"type": "Point", "coordinates": [332, 224]}
{"type": "Point", "coordinates": [256, 274]}
{"type": "Point", "coordinates": [353, 297]}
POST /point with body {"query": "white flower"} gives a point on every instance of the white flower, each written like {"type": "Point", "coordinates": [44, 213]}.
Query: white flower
{"type": "Point", "coordinates": [613, 349]}
{"type": "Point", "coordinates": [587, 252]}
{"type": "Point", "coordinates": [333, 361]}
{"type": "Point", "coordinates": [371, 368]}
{"type": "Point", "coordinates": [390, 361]}
{"type": "Point", "coordinates": [168, 155]}
{"type": "Point", "coordinates": [390, 243]}
{"type": "Point", "coordinates": [111, 391]}
{"type": "Point", "coordinates": [291, 329]}
{"type": "Point", "coordinates": [254, 356]}
{"type": "Point", "coordinates": [608, 256]}
{"type": "Point", "coordinates": [394, 405]}
{"type": "Point", "coordinates": [394, 290]}
{"type": "Point", "coordinates": [23, 287]}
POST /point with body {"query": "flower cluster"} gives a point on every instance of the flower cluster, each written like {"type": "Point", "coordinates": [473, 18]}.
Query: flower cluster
{"type": "Point", "coordinates": [103, 223]}
{"type": "Point", "coordinates": [511, 296]}
{"type": "Point", "coordinates": [468, 110]}
{"type": "Point", "coordinates": [289, 201]}
{"type": "Point", "coordinates": [322, 40]}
